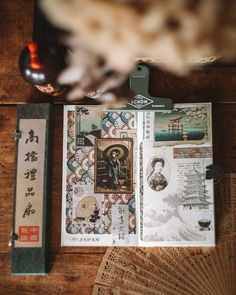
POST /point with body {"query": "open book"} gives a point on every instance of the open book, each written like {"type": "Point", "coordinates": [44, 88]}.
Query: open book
{"type": "Point", "coordinates": [137, 178]}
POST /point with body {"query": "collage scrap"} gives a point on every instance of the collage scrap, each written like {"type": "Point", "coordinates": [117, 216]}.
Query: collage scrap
{"type": "Point", "coordinates": [137, 178]}
{"type": "Point", "coordinates": [177, 201]}
{"type": "Point", "coordinates": [99, 177]}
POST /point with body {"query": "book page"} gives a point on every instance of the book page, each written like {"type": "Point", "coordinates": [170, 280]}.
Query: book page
{"type": "Point", "coordinates": [99, 177]}
{"type": "Point", "coordinates": [177, 201]}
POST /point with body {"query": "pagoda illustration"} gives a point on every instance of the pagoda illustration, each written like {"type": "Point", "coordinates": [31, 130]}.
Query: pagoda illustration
{"type": "Point", "coordinates": [194, 192]}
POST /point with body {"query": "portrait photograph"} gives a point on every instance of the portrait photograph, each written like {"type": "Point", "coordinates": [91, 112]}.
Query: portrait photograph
{"type": "Point", "coordinates": [113, 165]}
{"type": "Point", "coordinates": [158, 173]}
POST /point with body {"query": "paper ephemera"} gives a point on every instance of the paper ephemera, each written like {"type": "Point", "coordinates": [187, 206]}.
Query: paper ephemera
{"type": "Point", "coordinates": [177, 198]}
{"type": "Point", "coordinates": [186, 124]}
{"type": "Point", "coordinates": [137, 178]}
{"type": "Point", "coordinates": [98, 173]}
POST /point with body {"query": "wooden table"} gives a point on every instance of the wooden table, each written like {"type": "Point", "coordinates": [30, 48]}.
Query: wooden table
{"type": "Point", "coordinates": [73, 269]}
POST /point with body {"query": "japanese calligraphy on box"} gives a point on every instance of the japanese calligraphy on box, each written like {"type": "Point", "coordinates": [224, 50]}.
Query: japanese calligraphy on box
{"type": "Point", "coordinates": [29, 185]}
{"type": "Point", "coordinates": [31, 194]}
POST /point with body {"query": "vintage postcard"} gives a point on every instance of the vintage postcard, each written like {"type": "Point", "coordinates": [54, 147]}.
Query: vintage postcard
{"type": "Point", "coordinates": [88, 124]}
{"type": "Point", "coordinates": [177, 200]}
{"type": "Point", "coordinates": [186, 124]}
{"type": "Point", "coordinates": [88, 209]}
{"type": "Point", "coordinates": [113, 165]}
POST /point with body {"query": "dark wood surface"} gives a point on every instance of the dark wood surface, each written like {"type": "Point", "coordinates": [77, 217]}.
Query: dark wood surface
{"type": "Point", "coordinates": [16, 18]}
{"type": "Point", "coordinates": [73, 269]}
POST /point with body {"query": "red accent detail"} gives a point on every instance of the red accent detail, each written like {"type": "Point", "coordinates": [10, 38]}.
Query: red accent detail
{"type": "Point", "coordinates": [33, 49]}
{"type": "Point", "coordinates": [29, 234]}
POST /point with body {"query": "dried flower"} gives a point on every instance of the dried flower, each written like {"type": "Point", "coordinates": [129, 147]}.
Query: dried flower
{"type": "Point", "coordinates": [111, 36]}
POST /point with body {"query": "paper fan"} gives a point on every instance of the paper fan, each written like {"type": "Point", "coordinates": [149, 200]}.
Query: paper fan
{"type": "Point", "coordinates": [177, 271]}
{"type": "Point", "coordinates": [167, 271]}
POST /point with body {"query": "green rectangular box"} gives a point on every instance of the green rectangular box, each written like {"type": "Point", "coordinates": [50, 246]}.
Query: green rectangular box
{"type": "Point", "coordinates": [30, 238]}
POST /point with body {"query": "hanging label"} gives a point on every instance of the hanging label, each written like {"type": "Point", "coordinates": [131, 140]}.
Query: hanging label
{"type": "Point", "coordinates": [120, 224]}
{"type": "Point", "coordinates": [29, 183]}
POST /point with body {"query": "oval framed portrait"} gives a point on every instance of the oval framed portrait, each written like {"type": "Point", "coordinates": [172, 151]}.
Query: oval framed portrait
{"type": "Point", "coordinates": [158, 173]}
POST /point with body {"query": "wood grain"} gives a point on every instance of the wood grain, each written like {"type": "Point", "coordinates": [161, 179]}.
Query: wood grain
{"type": "Point", "coordinates": [70, 274]}
{"type": "Point", "coordinates": [7, 171]}
{"type": "Point", "coordinates": [67, 262]}
{"type": "Point", "coordinates": [224, 123]}
{"type": "Point", "coordinates": [15, 31]}
{"type": "Point", "coordinates": [201, 85]}
{"type": "Point", "coordinates": [205, 84]}
{"type": "Point", "coordinates": [73, 269]}
{"type": "Point", "coordinates": [224, 155]}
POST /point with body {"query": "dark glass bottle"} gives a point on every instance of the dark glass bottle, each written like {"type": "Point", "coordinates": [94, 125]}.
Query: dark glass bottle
{"type": "Point", "coordinates": [40, 65]}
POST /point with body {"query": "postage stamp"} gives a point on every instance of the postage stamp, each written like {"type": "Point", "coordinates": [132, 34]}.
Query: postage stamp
{"type": "Point", "coordinates": [184, 125]}
{"type": "Point", "coordinates": [88, 125]}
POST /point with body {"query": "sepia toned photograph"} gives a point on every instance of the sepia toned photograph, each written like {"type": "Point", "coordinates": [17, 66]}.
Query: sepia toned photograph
{"type": "Point", "coordinates": [113, 165]}
{"type": "Point", "coordinates": [157, 172]}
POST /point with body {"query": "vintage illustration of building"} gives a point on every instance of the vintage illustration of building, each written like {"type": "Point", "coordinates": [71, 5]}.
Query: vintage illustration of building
{"type": "Point", "coordinates": [194, 192]}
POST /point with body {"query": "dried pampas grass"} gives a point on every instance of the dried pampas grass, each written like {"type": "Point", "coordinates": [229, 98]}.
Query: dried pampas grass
{"type": "Point", "coordinates": [108, 37]}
